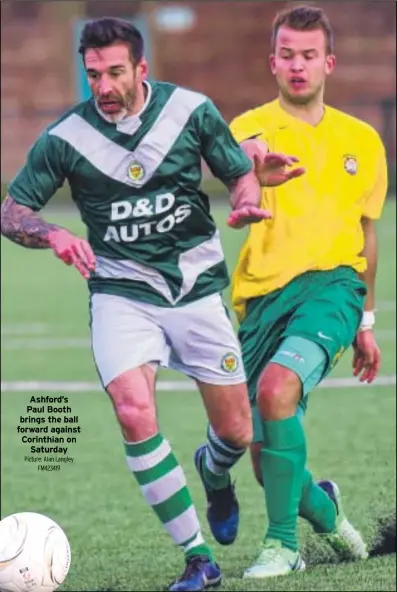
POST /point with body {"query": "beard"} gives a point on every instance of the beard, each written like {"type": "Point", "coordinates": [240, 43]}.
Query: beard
{"type": "Point", "coordinates": [121, 106]}
{"type": "Point", "coordinates": [129, 99]}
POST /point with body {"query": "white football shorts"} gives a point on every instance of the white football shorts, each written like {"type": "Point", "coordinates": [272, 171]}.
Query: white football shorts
{"type": "Point", "coordinates": [196, 339]}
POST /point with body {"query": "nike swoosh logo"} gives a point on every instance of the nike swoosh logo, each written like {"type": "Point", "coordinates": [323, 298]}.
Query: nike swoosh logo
{"type": "Point", "coordinates": [295, 566]}
{"type": "Point", "coordinates": [322, 336]}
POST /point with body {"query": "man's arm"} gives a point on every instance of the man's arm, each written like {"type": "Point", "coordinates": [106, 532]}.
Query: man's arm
{"type": "Point", "coordinates": [242, 168]}
{"type": "Point", "coordinates": [245, 199]}
{"type": "Point", "coordinates": [370, 252]}
{"type": "Point", "coordinates": [268, 170]}
{"type": "Point", "coordinates": [36, 183]}
{"type": "Point", "coordinates": [23, 226]}
{"type": "Point", "coordinates": [271, 168]}
{"type": "Point", "coordinates": [372, 210]}
{"type": "Point", "coordinates": [367, 355]}
{"type": "Point", "coordinates": [244, 191]}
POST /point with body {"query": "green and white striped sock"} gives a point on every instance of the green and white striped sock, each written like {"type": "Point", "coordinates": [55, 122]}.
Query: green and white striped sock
{"type": "Point", "coordinates": [163, 485]}
{"type": "Point", "coordinates": [220, 457]}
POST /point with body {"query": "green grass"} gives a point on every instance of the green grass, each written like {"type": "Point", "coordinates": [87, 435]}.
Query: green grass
{"type": "Point", "coordinates": [116, 542]}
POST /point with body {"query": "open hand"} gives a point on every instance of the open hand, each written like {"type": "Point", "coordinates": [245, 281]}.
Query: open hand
{"type": "Point", "coordinates": [367, 356]}
{"type": "Point", "coordinates": [273, 169]}
{"type": "Point", "coordinates": [247, 215]}
{"type": "Point", "coordinates": [73, 250]}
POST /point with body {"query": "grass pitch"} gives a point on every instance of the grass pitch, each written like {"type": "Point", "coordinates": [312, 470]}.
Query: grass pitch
{"type": "Point", "coordinates": [117, 543]}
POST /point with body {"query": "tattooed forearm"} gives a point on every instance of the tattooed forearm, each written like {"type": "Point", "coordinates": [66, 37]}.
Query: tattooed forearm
{"type": "Point", "coordinates": [23, 226]}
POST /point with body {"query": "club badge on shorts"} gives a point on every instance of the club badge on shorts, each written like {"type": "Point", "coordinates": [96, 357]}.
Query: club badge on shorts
{"type": "Point", "coordinates": [229, 363]}
{"type": "Point", "coordinates": [136, 172]}
{"type": "Point", "coordinates": [350, 164]}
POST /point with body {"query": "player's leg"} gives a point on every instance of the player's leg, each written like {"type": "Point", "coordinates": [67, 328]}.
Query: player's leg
{"type": "Point", "coordinates": [260, 335]}
{"type": "Point", "coordinates": [228, 435]}
{"type": "Point", "coordinates": [206, 348]}
{"type": "Point", "coordinates": [330, 316]}
{"type": "Point", "coordinates": [128, 374]}
{"type": "Point", "coordinates": [320, 502]}
{"type": "Point", "coordinates": [297, 366]}
{"type": "Point", "coordinates": [283, 452]}
{"type": "Point", "coordinates": [316, 505]}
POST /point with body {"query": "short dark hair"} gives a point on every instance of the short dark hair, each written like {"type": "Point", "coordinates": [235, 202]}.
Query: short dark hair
{"type": "Point", "coordinates": [304, 18]}
{"type": "Point", "coordinates": [107, 30]}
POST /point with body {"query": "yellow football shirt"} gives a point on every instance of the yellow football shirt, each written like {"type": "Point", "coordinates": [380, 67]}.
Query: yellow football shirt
{"type": "Point", "coordinates": [316, 218]}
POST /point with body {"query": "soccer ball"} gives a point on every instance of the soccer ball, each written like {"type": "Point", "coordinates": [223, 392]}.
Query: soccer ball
{"type": "Point", "coordinates": [34, 553]}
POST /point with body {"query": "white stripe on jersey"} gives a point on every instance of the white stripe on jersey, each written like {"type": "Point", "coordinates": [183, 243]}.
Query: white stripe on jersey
{"type": "Point", "coordinates": [192, 264]}
{"type": "Point", "coordinates": [114, 160]}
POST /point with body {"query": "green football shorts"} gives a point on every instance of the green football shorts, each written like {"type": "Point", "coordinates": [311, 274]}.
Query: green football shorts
{"type": "Point", "coordinates": [305, 326]}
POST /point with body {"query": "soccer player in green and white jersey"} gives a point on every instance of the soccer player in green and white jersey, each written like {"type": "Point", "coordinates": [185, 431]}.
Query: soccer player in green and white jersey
{"type": "Point", "coordinates": [154, 264]}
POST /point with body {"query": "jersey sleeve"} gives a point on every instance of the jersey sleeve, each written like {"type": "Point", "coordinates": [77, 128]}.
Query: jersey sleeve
{"type": "Point", "coordinates": [42, 174]}
{"type": "Point", "coordinates": [226, 160]}
{"type": "Point", "coordinates": [376, 194]}
{"type": "Point", "coordinates": [245, 127]}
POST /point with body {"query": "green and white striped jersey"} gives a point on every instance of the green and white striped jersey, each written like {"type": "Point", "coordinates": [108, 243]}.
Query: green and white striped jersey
{"type": "Point", "coordinates": [137, 186]}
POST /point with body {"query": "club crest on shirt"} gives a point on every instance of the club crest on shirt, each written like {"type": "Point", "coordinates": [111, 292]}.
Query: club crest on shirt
{"type": "Point", "coordinates": [136, 172]}
{"type": "Point", "coordinates": [229, 362]}
{"type": "Point", "coordinates": [350, 164]}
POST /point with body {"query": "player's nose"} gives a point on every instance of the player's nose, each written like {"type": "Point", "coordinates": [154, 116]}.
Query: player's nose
{"type": "Point", "coordinates": [104, 87]}
{"type": "Point", "coordinates": [297, 65]}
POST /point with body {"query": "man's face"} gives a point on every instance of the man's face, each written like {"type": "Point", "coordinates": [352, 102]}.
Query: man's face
{"type": "Point", "coordinates": [300, 64]}
{"type": "Point", "coordinates": [113, 78]}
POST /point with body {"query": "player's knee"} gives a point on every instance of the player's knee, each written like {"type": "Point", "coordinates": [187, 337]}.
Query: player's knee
{"type": "Point", "coordinates": [133, 402]}
{"type": "Point", "coordinates": [135, 416]}
{"type": "Point", "coordinates": [278, 393]}
{"type": "Point", "coordinates": [237, 433]}
{"type": "Point", "coordinates": [243, 438]}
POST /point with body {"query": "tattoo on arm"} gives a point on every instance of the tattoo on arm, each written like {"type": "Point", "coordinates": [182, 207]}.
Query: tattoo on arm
{"type": "Point", "coordinates": [23, 226]}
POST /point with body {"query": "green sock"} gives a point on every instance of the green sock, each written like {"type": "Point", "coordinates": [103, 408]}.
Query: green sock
{"type": "Point", "coordinates": [316, 506]}
{"type": "Point", "coordinates": [163, 485]}
{"type": "Point", "coordinates": [219, 458]}
{"type": "Point", "coordinates": [283, 460]}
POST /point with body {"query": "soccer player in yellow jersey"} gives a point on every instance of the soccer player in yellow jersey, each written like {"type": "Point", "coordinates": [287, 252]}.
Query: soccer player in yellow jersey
{"type": "Point", "coordinates": [303, 289]}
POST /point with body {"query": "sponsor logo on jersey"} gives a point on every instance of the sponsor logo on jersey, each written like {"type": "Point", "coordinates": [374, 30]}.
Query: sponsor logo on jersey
{"type": "Point", "coordinates": [136, 219]}
{"type": "Point", "coordinates": [136, 171]}
{"type": "Point", "coordinates": [350, 164]}
{"type": "Point", "coordinates": [229, 362]}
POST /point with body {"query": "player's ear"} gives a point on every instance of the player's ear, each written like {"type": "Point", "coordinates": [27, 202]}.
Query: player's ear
{"type": "Point", "coordinates": [272, 62]}
{"type": "Point", "coordinates": [330, 63]}
{"type": "Point", "coordinates": [142, 70]}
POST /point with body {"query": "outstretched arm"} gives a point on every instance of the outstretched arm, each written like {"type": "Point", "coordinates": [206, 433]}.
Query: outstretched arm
{"type": "Point", "coordinates": [271, 168]}
{"type": "Point", "coordinates": [23, 226]}
{"type": "Point", "coordinates": [245, 199]}
{"type": "Point", "coordinates": [268, 170]}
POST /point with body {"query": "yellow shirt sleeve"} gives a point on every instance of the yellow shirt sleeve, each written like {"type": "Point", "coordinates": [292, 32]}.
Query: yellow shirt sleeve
{"type": "Point", "coordinates": [246, 126]}
{"type": "Point", "coordinates": [376, 194]}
